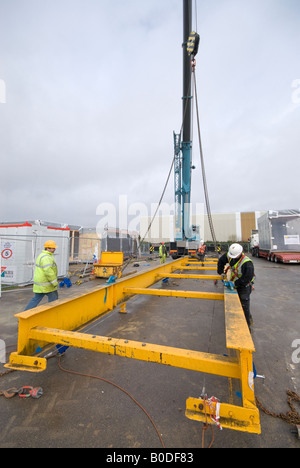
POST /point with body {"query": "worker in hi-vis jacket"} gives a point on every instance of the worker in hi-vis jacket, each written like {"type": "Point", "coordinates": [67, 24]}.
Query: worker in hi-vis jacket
{"type": "Point", "coordinates": [45, 276]}
{"type": "Point", "coordinates": [162, 252]}
{"type": "Point", "coordinates": [242, 275]}
{"type": "Point", "coordinates": [201, 251]}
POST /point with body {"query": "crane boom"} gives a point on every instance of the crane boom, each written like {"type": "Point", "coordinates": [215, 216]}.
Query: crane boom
{"type": "Point", "coordinates": [184, 232]}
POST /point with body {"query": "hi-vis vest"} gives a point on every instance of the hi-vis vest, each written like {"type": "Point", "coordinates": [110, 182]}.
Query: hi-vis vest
{"type": "Point", "coordinates": [45, 273]}
{"type": "Point", "coordinates": [162, 250]}
{"type": "Point", "coordinates": [236, 270]}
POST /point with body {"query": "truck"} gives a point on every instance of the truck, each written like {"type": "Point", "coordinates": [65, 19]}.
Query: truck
{"type": "Point", "coordinates": [183, 248]}
{"type": "Point", "coordinates": [278, 237]}
{"type": "Point", "coordinates": [254, 239]}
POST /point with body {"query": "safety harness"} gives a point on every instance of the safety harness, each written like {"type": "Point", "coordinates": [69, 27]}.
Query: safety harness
{"type": "Point", "coordinates": [235, 273]}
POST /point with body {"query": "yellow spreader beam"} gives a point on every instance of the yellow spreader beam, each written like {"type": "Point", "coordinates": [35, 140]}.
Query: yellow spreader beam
{"type": "Point", "coordinates": [59, 322]}
{"type": "Point", "coordinates": [187, 276]}
{"type": "Point", "coordinates": [175, 293]}
{"type": "Point", "coordinates": [182, 358]}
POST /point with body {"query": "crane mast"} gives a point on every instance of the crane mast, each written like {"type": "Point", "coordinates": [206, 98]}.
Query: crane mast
{"type": "Point", "coordinates": [184, 232]}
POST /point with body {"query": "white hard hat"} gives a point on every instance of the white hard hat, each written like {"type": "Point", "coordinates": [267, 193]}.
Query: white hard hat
{"type": "Point", "coordinates": [235, 250]}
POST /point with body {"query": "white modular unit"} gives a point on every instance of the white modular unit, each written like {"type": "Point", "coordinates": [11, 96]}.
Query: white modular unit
{"type": "Point", "coordinates": [21, 243]}
{"type": "Point", "coordinates": [280, 231]}
{"type": "Point", "coordinates": [16, 246]}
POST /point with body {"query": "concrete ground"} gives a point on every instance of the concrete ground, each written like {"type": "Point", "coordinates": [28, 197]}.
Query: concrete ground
{"type": "Point", "coordinates": [80, 411]}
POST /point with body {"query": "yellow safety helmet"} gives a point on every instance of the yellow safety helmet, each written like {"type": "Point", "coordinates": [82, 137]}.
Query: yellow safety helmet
{"type": "Point", "coordinates": [50, 244]}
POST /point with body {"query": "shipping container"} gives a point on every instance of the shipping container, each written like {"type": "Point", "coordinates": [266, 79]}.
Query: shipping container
{"type": "Point", "coordinates": [279, 236]}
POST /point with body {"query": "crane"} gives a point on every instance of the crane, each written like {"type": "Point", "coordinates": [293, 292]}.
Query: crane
{"type": "Point", "coordinates": [187, 236]}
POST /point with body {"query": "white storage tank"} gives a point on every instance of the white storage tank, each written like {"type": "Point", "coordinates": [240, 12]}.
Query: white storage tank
{"type": "Point", "coordinates": [21, 243]}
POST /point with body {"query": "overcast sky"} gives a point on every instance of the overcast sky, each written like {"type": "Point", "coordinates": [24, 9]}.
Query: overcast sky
{"type": "Point", "coordinates": [91, 92]}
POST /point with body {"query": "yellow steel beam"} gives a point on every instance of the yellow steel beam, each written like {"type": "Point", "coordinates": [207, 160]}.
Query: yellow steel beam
{"type": "Point", "coordinates": [182, 358]}
{"type": "Point", "coordinates": [238, 338]}
{"type": "Point", "coordinates": [186, 276]}
{"type": "Point", "coordinates": [174, 293]}
{"type": "Point", "coordinates": [237, 331]}
{"type": "Point", "coordinates": [49, 324]}
{"type": "Point", "coordinates": [187, 263]}
{"type": "Point", "coordinates": [73, 313]}
{"type": "Point", "coordinates": [198, 268]}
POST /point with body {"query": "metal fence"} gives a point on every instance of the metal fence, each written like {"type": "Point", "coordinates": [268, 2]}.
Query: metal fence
{"type": "Point", "coordinates": [124, 243]}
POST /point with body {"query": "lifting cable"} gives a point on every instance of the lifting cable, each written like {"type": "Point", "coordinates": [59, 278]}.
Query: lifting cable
{"type": "Point", "coordinates": [151, 222]}
{"type": "Point", "coordinates": [170, 172]}
{"type": "Point", "coordinates": [210, 220]}
{"type": "Point", "coordinates": [163, 192]}
{"type": "Point", "coordinates": [208, 209]}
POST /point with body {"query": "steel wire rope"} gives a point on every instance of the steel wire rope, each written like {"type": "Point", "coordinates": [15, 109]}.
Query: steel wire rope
{"type": "Point", "coordinates": [193, 64]}
{"type": "Point", "coordinates": [149, 227]}
{"type": "Point", "coordinates": [169, 175]}
{"type": "Point", "coordinates": [210, 221]}
{"type": "Point", "coordinates": [165, 187]}
{"type": "Point", "coordinates": [211, 226]}
{"type": "Point", "coordinates": [196, 15]}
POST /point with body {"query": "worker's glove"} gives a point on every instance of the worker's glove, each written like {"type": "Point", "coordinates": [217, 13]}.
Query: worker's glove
{"type": "Point", "coordinates": [224, 277]}
{"type": "Point", "coordinates": [229, 285]}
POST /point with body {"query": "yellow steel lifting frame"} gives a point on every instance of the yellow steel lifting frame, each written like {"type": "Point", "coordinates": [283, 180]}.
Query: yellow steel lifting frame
{"type": "Point", "coordinates": [60, 322]}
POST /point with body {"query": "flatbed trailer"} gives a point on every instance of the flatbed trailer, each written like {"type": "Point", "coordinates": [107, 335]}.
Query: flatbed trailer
{"type": "Point", "coordinates": [277, 257]}
{"type": "Point", "coordinates": [278, 237]}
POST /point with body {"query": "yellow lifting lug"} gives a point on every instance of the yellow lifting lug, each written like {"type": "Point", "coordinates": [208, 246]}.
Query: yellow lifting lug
{"type": "Point", "coordinates": [26, 363]}
{"type": "Point", "coordinates": [230, 416]}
